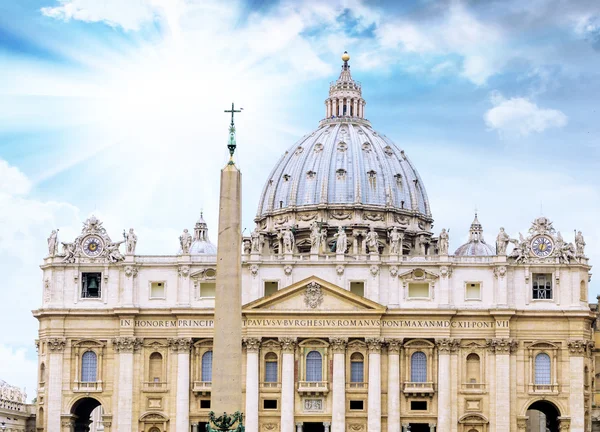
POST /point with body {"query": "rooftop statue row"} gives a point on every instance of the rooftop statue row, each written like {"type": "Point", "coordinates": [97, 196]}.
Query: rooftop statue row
{"type": "Point", "coordinates": [11, 393]}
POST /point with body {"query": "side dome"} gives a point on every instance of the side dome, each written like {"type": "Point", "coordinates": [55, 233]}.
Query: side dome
{"type": "Point", "coordinates": [476, 246]}
{"type": "Point", "coordinates": [201, 245]}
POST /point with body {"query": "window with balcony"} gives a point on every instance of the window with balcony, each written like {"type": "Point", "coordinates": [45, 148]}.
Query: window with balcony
{"type": "Point", "coordinates": [542, 286]}
{"type": "Point", "coordinates": [155, 367]}
{"type": "Point", "coordinates": [357, 368]}
{"type": "Point", "coordinates": [271, 368]}
{"type": "Point", "coordinates": [473, 368]}
{"type": "Point", "coordinates": [542, 369]}
{"type": "Point", "coordinates": [314, 367]}
{"type": "Point", "coordinates": [91, 285]}
{"type": "Point", "coordinates": [89, 367]}
{"type": "Point", "coordinates": [418, 367]}
{"type": "Point", "coordinates": [207, 366]}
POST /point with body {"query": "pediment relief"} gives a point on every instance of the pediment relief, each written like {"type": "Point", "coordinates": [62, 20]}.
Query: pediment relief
{"type": "Point", "coordinates": [313, 295]}
{"type": "Point", "coordinates": [153, 417]}
{"type": "Point", "coordinates": [155, 343]}
{"type": "Point", "coordinates": [204, 274]}
{"type": "Point", "coordinates": [89, 343]}
{"type": "Point", "coordinates": [472, 344]}
{"type": "Point", "coordinates": [203, 343]}
{"type": "Point", "coordinates": [418, 275]}
{"type": "Point", "coordinates": [418, 343]}
{"type": "Point", "coordinates": [314, 343]}
{"type": "Point", "coordinates": [543, 345]}
{"type": "Point", "coordinates": [473, 419]}
{"type": "Point", "coordinates": [357, 345]}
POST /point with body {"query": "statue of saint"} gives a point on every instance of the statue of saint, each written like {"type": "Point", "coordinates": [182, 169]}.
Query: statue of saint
{"type": "Point", "coordinates": [53, 243]}
{"type": "Point", "coordinates": [444, 242]}
{"type": "Point", "coordinates": [130, 242]}
{"type": "Point", "coordinates": [323, 240]}
{"type": "Point", "coordinates": [395, 237]}
{"type": "Point", "coordinates": [255, 241]}
{"type": "Point", "coordinates": [579, 244]}
{"type": "Point", "coordinates": [502, 241]}
{"type": "Point", "coordinates": [341, 242]}
{"type": "Point", "coordinates": [113, 254]}
{"type": "Point", "coordinates": [372, 242]}
{"type": "Point", "coordinates": [185, 240]}
{"type": "Point", "coordinates": [315, 238]}
{"type": "Point", "coordinates": [288, 240]}
{"type": "Point", "coordinates": [69, 252]}
{"type": "Point", "coordinates": [247, 246]}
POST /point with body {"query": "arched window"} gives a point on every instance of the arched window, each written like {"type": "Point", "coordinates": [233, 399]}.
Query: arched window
{"type": "Point", "coordinates": [418, 367]}
{"type": "Point", "coordinates": [155, 367]}
{"type": "Point", "coordinates": [40, 418]}
{"type": "Point", "coordinates": [357, 368]}
{"type": "Point", "coordinates": [314, 368]}
{"type": "Point", "coordinates": [42, 373]}
{"type": "Point", "coordinates": [271, 367]}
{"type": "Point", "coordinates": [207, 366]}
{"type": "Point", "coordinates": [542, 369]}
{"type": "Point", "coordinates": [89, 366]}
{"type": "Point", "coordinates": [473, 368]}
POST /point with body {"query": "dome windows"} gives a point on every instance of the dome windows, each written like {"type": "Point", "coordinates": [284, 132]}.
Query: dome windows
{"type": "Point", "coordinates": [299, 150]}
{"type": "Point", "coordinates": [372, 174]}
{"type": "Point", "coordinates": [342, 146]}
{"type": "Point", "coordinates": [341, 174]}
{"type": "Point", "coordinates": [388, 151]}
{"type": "Point", "coordinates": [366, 147]}
{"type": "Point", "coordinates": [318, 148]}
{"type": "Point", "coordinates": [286, 177]}
{"type": "Point", "coordinates": [398, 178]}
{"type": "Point", "coordinates": [310, 175]}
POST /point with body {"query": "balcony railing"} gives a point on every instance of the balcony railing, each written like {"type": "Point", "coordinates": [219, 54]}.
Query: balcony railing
{"type": "Point", "coordinates": [202, 387]}
{"type": "Point", "coordinates": [90, 386]}
{"type": "Point", "coordinates": [313, 387]}
{"type": "Point", "coordinates": [357, 386]}
{"type": "Point", "coordinates": [153, 386]}
{"type": "Point", "coordinates": [419, 388]}
{"type": "Point", "coordinates": [270, 386]}
{"type": "Point", "coordinates": [543, 388]}
{"type": "Point", "coordinates": [473, 387]}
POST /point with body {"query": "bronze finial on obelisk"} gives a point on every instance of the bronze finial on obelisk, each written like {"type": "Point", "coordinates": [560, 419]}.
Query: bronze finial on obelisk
{"type": "Point", "coordinates": [226, 396]}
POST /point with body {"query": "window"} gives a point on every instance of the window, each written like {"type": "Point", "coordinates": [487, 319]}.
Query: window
{"type": "Point", "coordinates": [418, 290]}
{"type": "Point", "coordinates": [314, 369]}
{"type": "Point", "coordinates": [357, 288]}
{"type": "Point", "coordinates": [542, 286]}
{"type": "Point", "coordinates": [90, 285]}
{"type": "Point", "coordinates": [157, 290]}
{"type": "Point", "coordinates": [207, 289]}
{"type": "Point", "coordinates": [473, 369]}
{"type": "Point", "coordinates": [542, 369]}
{"type": "Point", "coordinates": [271, 367]}
{"type": "Point", "coordinates": [418, 405]}
{"type": "Point", "coordinates": [271, 288]}
{"type": "Point", "coordinates": [418, 367]}
{"type": "Point", "coordinates": [205, 403]}
{"type": "Point", "coordinates": [270, 404]}
{"type": "Point", "coordinates": [583, 295]}
{"type": "Point", "coordinates": [473, 291]}
{"type": "Point", "coordinates": [207, 366]}
{"type": "Point", "coordinates": [155, 367]}
{"type": "Point", "coordinates": [357, 405]}
{"type": "Point", "coordinates": [357, 369]}
{"type": "Point", "coordinates": [42, 373]}
{"type": "Point", "coordinates": [89, 366]}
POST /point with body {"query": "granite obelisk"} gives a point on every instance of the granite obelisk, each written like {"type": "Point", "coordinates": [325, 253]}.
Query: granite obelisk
{"type": "Point", "coordinates": [227, 344]}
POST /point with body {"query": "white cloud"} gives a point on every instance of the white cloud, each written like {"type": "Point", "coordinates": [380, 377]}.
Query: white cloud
{"type": "Point", "coordinates": [12, 180]}
{"type": "Point", "coordinates": [20, 367]}
{"type": "Point", "coordinates": [521, 117]}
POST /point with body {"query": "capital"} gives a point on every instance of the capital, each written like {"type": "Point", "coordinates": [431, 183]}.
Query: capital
{"type": "Point", "coordinates": [56, 344]}
{"type": "Point", "coordinates": [374, 344]}
{"type": "Point", "coordinates": [447, 345]}
{"type": "Point", "coordinates": [338, 345]}
{"type": "Point", "coordinates": [502, 345]}
{"type": "Point", "coordinates": [393, 345]}
{"type": "Point", "coordinates": [127, 344]}
{"type": "Point", "coordinates": [580, 347]}
{"type": "Point", "coordinates": [252, 344]}
{"type": "Point", "coordinates": [288, 344]}
{"type": "Point", "coordinates": [180, 345]}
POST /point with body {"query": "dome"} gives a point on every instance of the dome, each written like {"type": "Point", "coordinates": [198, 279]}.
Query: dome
{"type": "Point", "coordinates": [344, 162]}
{"type": "Point", "coordinates": [201, 245]}
{"type": "Point", "coordinates": [476, 246]}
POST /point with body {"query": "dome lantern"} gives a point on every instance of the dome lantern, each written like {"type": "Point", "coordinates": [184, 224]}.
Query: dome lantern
{"type": "Point", "coordinates": [476, 246]}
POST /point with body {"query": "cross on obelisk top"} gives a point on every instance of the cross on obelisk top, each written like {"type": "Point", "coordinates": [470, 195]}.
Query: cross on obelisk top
{"type": "Point", "coordinates": [232, 144]}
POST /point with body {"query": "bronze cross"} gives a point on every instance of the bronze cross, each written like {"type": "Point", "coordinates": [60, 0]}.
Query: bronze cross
{"type": "Point", "coordinates": [233, 111]}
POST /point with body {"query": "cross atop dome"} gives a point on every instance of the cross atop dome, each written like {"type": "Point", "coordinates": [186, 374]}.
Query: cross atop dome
{"type": "Point", "coordinates": [345, 95]}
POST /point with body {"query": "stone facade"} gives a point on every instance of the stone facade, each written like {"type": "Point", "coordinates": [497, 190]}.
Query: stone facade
{"type": "Point", "coordinates": [16, 415]}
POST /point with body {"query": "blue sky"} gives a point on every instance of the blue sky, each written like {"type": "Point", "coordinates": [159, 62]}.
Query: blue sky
{"type": "Point", "coordinates": [115, 108]}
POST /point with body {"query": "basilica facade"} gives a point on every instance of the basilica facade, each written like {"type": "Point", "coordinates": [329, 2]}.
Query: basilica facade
{"type": "Point", "coordinates": [356, 315]}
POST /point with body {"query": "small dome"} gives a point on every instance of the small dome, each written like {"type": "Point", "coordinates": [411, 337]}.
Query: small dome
{"type": "Point", "coordinates": [201, 244]}
{"type": "Point", "coordinates": [476, 246]}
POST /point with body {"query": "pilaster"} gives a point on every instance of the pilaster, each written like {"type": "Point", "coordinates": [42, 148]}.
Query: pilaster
{"type": "Point", "coordinates": [56, 347]}
{"type": "Point", "coordinates": [374, 394]}
{"type": "Point", "coordinates": [445, 347]}
{"type": "Point", "coordinates": [393, 398]}
{"type": "Point", "coordinates": [125, 346]}
{"type": "Point", "coordinates": [181, 347]}
{"type": "Point", "coordinates": [252, 382]}
{"type": "Point", "coordinates": [578, 349]}
{"type": "Point", "coordinates": [338, 417]}
{"type": "Point", "coordinates": [502, 348]}
{"type": "Point", "coordinates": [288, 346]}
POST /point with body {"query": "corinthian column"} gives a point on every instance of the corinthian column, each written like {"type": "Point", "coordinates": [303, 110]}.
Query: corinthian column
{"type": "Point", "coordinates": [56, 347]}
{"type": "Point", "coordinates": [181, 347]}
{"type": "Point", "coordinates": [338, 411]}
{"type": "Point", "coordinates": [444, 374]}
{"type": "Point", "coordinates": [288, 345]}
{"type": "Point", "coordinates": [374, 394]}
{"type": "Point", "coordinates": [502, 348]}
{"type": "Point", "coordinates": [577, 351]}
{"type": "Point", "coordinates": [252, 349]}
{"type": "Point", "coordinates": [393, 384]}
{"type": "Point", "coordinates": [125, 346]}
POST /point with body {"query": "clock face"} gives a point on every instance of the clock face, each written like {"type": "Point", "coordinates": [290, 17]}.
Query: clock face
{"type": "Point", "coordinates": [542, 246]}
{"type": "Point", "coordinates": [92, 246]}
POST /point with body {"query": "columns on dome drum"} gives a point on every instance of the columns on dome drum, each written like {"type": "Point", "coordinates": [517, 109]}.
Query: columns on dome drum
{"type": "Point", "coordinates": [374, 392]}
{"type": "Point", "coordinates": [288, 345]}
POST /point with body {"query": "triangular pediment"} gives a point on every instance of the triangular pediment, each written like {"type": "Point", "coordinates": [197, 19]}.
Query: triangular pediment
{"type": "Point", "coordinates": [314, 294]}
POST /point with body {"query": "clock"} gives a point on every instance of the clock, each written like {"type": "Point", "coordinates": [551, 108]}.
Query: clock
{"type": "Point", "coordinates": [92, 246]}
{"type": "Point", "coordinates": [542, 246]}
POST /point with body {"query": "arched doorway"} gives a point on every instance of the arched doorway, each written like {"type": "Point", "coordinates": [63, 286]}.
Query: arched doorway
{"type": "Point", "coordinates": [543, 416]}
{"type": "Point", "coordinates": [82, 413]}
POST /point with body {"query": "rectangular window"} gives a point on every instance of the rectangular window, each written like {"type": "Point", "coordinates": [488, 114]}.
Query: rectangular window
{"type": "Point", "coordinates": [357, 404]}
{"type": "Point", "coordinates": [91, 285]}
{"type": "Point", "coordinates": [418, 405]}
{"type": "Point", "coordinates": [157, 290]}
{"type": "Point", "coordinates": [542, 286]}
{"type": "Point", "coordinates": [207, 289]}
{"type": "Point", "coordinates": [205, 403]}
{"type": "Point", "coordinates": [271, 287]}
{"type": "Point", "coordinates": [270, 404]}
{"type": "Point", "coordinates": [271, 371]}
{"type": "Point", "coordinates": [418, 290]}
{"type": "Point", "coordinates": [357, 372]}
{"type": "Point", "coordinates": [473, 291]}
{"type": "Point", "coordinates": [357, 288]}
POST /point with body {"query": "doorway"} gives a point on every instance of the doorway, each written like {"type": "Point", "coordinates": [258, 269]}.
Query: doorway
{"type": "Point", "coordinates": [419, 427]}
{"type": "Point", "coordinates": [312, 427]}
{"type": "Point", "coordinates": [543, 416]}
{"type": "Point", "coordinates": [82, 412]}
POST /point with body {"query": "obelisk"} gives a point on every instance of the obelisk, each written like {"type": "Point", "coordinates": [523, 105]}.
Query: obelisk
{"type": "Point", "coordinates": [227, 342]}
